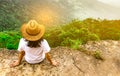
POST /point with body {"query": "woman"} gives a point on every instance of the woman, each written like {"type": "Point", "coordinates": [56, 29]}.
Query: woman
{"type": "Point", "coordinates": [32, 45]}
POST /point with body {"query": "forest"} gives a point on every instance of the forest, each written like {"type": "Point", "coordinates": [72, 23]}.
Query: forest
{"type": "Point", "coordinates": [71, 34]}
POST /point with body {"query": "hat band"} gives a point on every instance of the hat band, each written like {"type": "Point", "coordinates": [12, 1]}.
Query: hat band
{"type": "Point", "coordinates": [32, 34]}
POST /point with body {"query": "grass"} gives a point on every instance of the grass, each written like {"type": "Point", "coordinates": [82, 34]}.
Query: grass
{"type": "Point", "coordinates": [72, 34]}
{"type": "Point", "coordinates": [96, 54]}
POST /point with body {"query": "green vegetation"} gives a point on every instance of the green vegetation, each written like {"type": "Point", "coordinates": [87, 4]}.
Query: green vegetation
{"type": "Point", "coordinates": [11, 15]}
{"type": "Point", "coordinates": [72, 35]}
{"type": "Point", "coordinates": [98, 55]}
{"type": "Point", "coordinates": [79, 32]}
{"type": "Point", "coordinates": [9, 39]}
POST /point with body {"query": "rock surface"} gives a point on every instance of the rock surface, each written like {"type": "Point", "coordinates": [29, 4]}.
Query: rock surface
{"type": "Point", "coordinates": [71, 62]}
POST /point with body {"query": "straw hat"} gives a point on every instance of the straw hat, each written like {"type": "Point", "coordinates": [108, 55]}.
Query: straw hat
{"type": "Point", "coordinates": [32, 31]}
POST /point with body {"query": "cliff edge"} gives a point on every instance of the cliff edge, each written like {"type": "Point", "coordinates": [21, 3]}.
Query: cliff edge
{"type": "Point", "coordinates": [95, 58]}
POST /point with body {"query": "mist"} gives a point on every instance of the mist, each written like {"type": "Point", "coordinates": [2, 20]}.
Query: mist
{"type": "Point", "coordinates": [53, 12]}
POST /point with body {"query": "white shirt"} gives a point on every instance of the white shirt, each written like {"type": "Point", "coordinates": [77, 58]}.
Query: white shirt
{"type": "Point", "coordinates": [34, 55]}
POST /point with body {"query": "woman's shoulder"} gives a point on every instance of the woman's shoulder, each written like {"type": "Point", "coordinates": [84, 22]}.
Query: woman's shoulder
{"type": "Point", "coordinates": [44, 41]}
{"type": "Point", "coordinates": [45, 44]}
{"type": "Point", "coordinates": [22, 40]}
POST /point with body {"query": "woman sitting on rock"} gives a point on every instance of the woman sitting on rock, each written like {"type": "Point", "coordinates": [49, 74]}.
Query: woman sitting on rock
{"type": "Point", "coordinates": [32, 45]}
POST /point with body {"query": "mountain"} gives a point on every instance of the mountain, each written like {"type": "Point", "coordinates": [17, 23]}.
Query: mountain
{"type": "Point", "coordinates": [95, 9]}
{"type": "Point", "coordinates": [65, 10]}
{"type": "Point", "coordinates": [53, 12]}
{"type": "Point", "coordinates": [90, 8]}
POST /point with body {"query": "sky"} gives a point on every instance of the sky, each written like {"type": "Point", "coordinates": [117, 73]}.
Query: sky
{"type": "Point", "coordinates": [112, 2]}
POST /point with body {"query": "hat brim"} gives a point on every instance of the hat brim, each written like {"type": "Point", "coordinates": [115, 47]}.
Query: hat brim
{"type": "Point", "coordinates": [32, 37]}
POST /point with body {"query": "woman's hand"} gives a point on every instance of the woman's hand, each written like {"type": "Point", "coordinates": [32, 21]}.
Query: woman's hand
{"type": "Point", "coordinates": [55, 63]}
{"type": "Point", "coordinates": [14, 63]}
{"type": "Point", "coordinates": [17, 62]}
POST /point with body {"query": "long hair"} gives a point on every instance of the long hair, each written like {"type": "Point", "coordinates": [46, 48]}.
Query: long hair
{"type": "Point", "coordinates": [34, 43]}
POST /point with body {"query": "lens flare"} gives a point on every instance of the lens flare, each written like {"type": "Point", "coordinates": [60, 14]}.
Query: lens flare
{"type": "Point", "coordinates": [47, 16]}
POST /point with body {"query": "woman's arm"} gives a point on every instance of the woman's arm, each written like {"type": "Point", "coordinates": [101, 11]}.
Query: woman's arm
{"type": "Point", "coordinates": [50, 60]}
{"type": "Point", "coordinates": [17, 62]}
{"type": "Point", "coordinates": [48, 57]}
{"type": "Point", "coordinates": [20, 56]}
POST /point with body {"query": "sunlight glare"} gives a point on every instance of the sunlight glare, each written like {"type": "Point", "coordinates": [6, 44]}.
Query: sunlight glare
{"type": "Point", "coordinates": [47, 16]}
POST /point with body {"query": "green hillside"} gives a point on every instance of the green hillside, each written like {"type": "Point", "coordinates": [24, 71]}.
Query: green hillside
{"type": "Point", "coordinates": [11, 14]}
{"type": "Point", "coordinates": [72, 34]}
